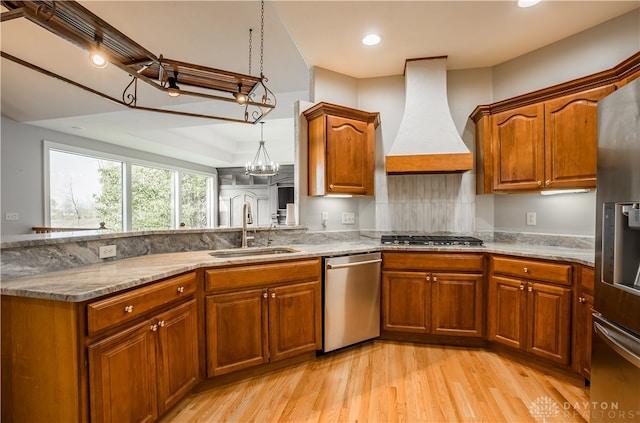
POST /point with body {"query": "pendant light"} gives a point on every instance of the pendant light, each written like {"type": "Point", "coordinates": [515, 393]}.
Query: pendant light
{"type": "Point", "coordinates": [262, 164]}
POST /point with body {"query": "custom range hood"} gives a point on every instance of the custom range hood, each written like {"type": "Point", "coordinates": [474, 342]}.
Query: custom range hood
{"type": "Point", "coordinates": [427, 141]}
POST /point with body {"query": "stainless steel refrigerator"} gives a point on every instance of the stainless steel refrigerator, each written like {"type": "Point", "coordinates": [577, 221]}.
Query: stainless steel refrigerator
{"type": "Point", "coordinates": [615, 366]}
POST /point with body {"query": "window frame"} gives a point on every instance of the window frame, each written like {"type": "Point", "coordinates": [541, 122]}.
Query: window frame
{"type": "Point", "coordinates": [127, 163]}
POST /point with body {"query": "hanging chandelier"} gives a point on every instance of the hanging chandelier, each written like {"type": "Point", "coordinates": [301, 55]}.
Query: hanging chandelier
{"type": "Point", "coordinates": [262, 165]}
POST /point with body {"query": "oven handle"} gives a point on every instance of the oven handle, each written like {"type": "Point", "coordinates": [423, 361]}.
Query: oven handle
{"type": "Point", "coordinates": [617, 340]}
{"type": "Point", "coordinates": [358, 263]}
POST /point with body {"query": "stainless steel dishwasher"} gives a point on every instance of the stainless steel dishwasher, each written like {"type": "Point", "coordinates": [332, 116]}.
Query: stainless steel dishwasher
{"type": "Point", "coordinates": [351, 299]}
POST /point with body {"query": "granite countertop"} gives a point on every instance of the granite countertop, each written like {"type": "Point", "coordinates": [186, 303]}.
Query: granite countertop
{"type": "Point", "coordinates": [93, 281]}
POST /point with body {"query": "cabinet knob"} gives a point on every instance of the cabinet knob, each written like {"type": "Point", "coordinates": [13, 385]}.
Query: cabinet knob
{"type": "Point", "coordinates": [581, 300]}
{"type": "Point", "coordinates": [521, 287]}
{"type": "Point", "coordinates": [331, 186]}
{"type": "Point", "coordinates": [530, 288]}
{"type": "Point", "coordinates": [435, 279]}
{"type": "Point", "coordinates": [180, 289]}
{"type": "Point", "coordinates": [265, 295]}
{"type": "Point", "coordinates": [161, 323]}
{"type": "Point", "coordinates": [273, 295]}
{"type": "Point", "coordinates": [428, 278]}
{"type": "Point", "coordinates": [154, 328]}
{"type": "Point", "coordinates": [128, 309]}
{"type": "Point", "coordinates": [547, 182]}
{"type": "Point", "coordinates": [539, 183]}
{"type": "Point", "coordinates": [526, 270]}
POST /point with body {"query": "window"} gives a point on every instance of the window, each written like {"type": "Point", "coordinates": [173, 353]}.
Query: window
{"type": "Point", "coordinates": [151, 198]}
{"type": "Point", "coordinates": [84, 191]}
{"type": "Point", "coordinates": [86, 188]}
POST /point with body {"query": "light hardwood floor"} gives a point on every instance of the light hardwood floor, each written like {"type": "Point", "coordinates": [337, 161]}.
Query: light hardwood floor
{"type": "Point", "coordinates": [385, 381]}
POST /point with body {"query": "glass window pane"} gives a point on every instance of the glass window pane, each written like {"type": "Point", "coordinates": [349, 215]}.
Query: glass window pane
{"type": "Point", "coordinates": [151, 198]}
{"type": "Point", "coordinates": [193, 199]}
{"type": "Point", "coordinates": [84, 191]}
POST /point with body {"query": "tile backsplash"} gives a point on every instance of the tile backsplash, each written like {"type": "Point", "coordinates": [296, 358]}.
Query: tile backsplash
{"type": "Point", "coordinates": [428, 203]}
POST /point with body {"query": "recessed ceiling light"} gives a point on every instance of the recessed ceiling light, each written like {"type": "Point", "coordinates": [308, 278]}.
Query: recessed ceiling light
{"type": "Point", "coordinates": [528, 3]}
{"type": "Point", "coordinates": [371, 39]}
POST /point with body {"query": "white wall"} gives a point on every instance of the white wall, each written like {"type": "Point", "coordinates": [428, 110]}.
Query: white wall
{"type": "Point", "coordinates": [591, 51]}
{"type": "Point", "coordinates": [22, 179]}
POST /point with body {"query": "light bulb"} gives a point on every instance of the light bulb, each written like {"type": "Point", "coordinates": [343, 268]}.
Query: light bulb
{"type": "Point", "coordinates": [98, 61]}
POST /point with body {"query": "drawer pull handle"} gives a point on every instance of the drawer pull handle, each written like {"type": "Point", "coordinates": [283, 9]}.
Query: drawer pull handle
{"type": "Point", "coordinates": [161, 323]}
{"type": "Point", "coordinates": [128, 309]}
{"type": "Point", "coordinates": [180, 289]}
{"type": "Point", "coordinates": [526, 270]}
{"type": "Point", "coordinates": [154, 328]}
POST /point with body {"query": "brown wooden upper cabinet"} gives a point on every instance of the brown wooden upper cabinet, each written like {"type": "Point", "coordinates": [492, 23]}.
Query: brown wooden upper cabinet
{"type": "Point", "coordinates": [341, 150]}
{"type": "Point", "coordinates": [547, 145]}
{"type": "Point", "coordinates": [545, 139]}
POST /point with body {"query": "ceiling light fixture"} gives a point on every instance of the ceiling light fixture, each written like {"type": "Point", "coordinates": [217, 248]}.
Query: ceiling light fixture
{"type": "Point", "coordinates": [173, 89]}
{"type": "Point", "coordinates": [241, 97]}
{"type": "Point", "coordinates": [262, 164]}
{"type": "Point", "coordinates": [76, 24]}
{"type": "Point", "coordinates": [371, 40]}
{"type": "Point", "coordinates": [528, 3]}
{"type": "Point", "coordinates": [97, 60]}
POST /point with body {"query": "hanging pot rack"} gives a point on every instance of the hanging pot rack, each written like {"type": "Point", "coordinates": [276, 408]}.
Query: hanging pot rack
{"type": "Point", "coordinates": [76, 24]}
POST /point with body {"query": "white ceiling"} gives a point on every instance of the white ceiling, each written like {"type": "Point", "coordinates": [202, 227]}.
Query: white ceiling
{"type": "Point", "coordinates": [298, 36]}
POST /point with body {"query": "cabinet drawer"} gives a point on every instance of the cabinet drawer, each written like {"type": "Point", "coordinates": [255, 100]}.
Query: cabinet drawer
{"type": "Point", "coordinates": [433, 261]}
{"type": "Point", "coordinates": [531, 269]}
{"type": "Point", "coordinates": [128, 306]}
{"type": "Point", "coordinates": [263, 274]}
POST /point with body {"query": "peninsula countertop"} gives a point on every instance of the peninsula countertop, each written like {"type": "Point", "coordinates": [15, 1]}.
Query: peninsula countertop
{"type": "Point", "coordinates": [96, 280]}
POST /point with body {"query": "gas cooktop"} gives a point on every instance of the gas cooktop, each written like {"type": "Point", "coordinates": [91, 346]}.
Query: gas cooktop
{"type": "Point", "coordinates": [435, 240]}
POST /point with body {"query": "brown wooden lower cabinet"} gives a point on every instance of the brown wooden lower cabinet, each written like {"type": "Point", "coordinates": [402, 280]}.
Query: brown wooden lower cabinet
{"type": "Point", "coordinates": [583, 333]}
{"type": "Point", "coordinates": [138, 373]}
{"type": "Point", "coordinates": [433, 302]}
{"type": "Point", "coordinates": [249, 327]}
{"type": "Point", "coordinates": [528, 314]}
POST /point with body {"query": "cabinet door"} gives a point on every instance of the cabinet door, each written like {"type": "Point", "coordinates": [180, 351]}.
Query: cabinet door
{"type": "Point", "coordinates": [122, 377]}
{"type": "Point", "coordinates": [507, 305]}
{"type": "Point", "coordinates": [549, 321]}
{"type": "Point", "coordinates": [406, 297]}
{"type": "Point", "coordinates": [584, 323]}
{"type": "Point", "coordinates": [349, 156]}
{"type": "Point", "coordinates": [571, 139]}
{"type": "Point", "coordinates": [177, 354]}
{"type": "Point", "coordinates": [295, 320]}
{"type": "Point", "coordinates": [236, 326]}
{"type": "Point", "coordinates": [457, 304]}
{"type": "Point", "coordinates": [518, 148]}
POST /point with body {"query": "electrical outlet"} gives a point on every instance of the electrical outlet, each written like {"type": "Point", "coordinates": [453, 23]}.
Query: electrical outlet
{"type": "Point", "coordinates": [12, 216]}
{"type": "Point", "coordinates": [107, 251]}
{"type": "Point", "coordinates": [348, 218]}
{"type": "Point", "coordinates": [531, 218]}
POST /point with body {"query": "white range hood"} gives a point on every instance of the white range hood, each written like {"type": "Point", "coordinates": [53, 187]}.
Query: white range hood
{"type": "Point", "coordinates": [427, 141]}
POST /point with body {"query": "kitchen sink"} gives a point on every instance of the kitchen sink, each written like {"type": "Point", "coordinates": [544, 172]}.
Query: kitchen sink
{"type": "Point", "coordinates": [248, 252]}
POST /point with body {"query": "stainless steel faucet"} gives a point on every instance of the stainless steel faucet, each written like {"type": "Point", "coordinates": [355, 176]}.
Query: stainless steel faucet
{"type": "Point", "coordinates": [246, 220]}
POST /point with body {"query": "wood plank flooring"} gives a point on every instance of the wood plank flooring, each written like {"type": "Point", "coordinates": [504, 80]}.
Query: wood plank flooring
{"type": "Point", "coordinates": [384, 381]}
